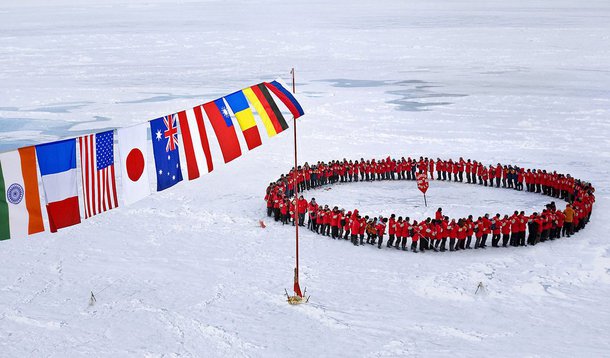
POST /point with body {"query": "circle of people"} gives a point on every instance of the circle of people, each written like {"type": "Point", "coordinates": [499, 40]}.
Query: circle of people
{"type": "Point", "coordinates": [516, 229]}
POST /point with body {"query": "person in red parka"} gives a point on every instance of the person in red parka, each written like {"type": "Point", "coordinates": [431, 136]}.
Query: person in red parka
{"type": "Point", "coordinates": [505, 227]}
{"type": "Point", "coordinates": [496, 230]}
{"type": "Point", "coordinates": [452, 230]}
{"type": "Point", "coordinates": [284, 207]}
{"type": "Point", "coordinates": [415, 236]}
{"type": "Point", "coordinates": [321, 218]}
{"type": "Point", "coordinates": [444, 233]}
{"type": "Point", "coordinates": [381, 225]}
{"type": "Point", "coordinates": [313, 211]}
{"type": "Point", "coordinates": [302, 209]}
{"type": "Point", "coordinates": [405, 233]}
{"type": "Point", "coordinates": [462, 230]}
{"type": "Point", "coordinates": [362, 228]}
{"type": "Point", "coordinates": [486, 230]}
{"type": "Point", "coordinates": [391, 230]}
{"type": "Point", "coordinates": [355, 227]}
{"type": "Point", "coordinates": [334, 222]}
{"type": "Point", "coordinates": [439, 214]}
{"type": "Point", "coordinates": [479, 229]}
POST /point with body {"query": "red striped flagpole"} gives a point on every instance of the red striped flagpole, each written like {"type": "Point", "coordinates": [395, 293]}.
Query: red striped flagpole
{"type": "Point", "coordinates": [297, 288]}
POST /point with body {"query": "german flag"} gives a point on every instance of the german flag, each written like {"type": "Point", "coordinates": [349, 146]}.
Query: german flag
{"type": "Point", "coordinates": [271, 130]}
{"type": "Point", "coordinates": [264, 97]}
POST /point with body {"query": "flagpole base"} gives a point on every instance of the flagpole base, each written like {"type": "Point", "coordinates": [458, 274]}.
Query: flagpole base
{"type": "Point", "coordinates": [296, 299]}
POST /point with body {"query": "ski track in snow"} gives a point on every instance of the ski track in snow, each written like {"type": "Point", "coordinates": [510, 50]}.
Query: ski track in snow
{"type": "Point", "coordinates": [189, 272]}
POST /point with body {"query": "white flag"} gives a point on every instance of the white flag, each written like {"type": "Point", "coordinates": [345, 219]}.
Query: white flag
{"type": "Point", "coordinates": [134, 162]}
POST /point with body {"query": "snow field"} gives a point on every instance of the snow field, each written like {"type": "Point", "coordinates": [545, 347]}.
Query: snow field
{"type": "Point", "coordinates": [188, 272]}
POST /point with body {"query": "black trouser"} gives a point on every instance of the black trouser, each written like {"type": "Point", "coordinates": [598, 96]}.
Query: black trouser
{"type": "Point", "coordinates": [403, 244]}
{"type": "Point", "coordinates": [380, 241]}
{"type": "Point", "coordinates": [514, 239]}
{"type": "Point", "coordinates": [313, 225]}
{"type": "Point", "coordinates": [468, 177]}
{"type": "Point", "coordinates": [423, 244]}
{"type": "Point", "coordinates": [451, 244]}
{"type": "Point", "coordinates": [443, 244]}
{"type": "Point", "coordinates": [461, 176]}
{"type": "Point", "coordinates": [354, 239]}
{"type": "Point", "coordinates": [302, 219]}
{"type": "Point", "coordinates": [522, 238]}
{"type": "Point", "coordinates": [567, 229]}
{"type": "Point", "coordinates": [390, 240]}
{"type": "Point", "coordinates": [505, 239]}
{"type": "Point", "coordinates": [335, 232]}
{"type": "Point", "coordinates": [398, 240]}
{"type": "Point", "coordinates": [462, 244]}
{"type": "Point", "coordinates": [414, 246]}
{"type": "Point", "coordinates": [495, 239]}
{"type": "Point", "coordinates": [537, 238]}
{"type": "Point", "coordinates": [438, 175]}
{"type": "Point", "coordinates": [484, 240]}
{"type": "Point", "coordinates": [468, 242]}
{"type": "Point", "coordinates": [531, 237]}
{"type": "Point", "coordinates": [361, 239]}
{"type": "Point", "coordinates": [497, 182]}
{"type": "Point", "coordinates": [276, 214]}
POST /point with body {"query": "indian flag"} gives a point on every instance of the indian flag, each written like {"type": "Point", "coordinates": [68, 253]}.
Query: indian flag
{"type": "Point", "coordinates": [20, 210]}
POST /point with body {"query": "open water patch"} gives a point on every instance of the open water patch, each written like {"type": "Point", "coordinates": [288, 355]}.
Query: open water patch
{"type": "Point", "coordinates": [414, 95]}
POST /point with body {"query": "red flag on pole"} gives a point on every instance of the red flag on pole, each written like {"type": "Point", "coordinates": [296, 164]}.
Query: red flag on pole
{"type": "Point", "coordinates": [422, 182]}
{"type": "Point", "coordinates": [422, 185]}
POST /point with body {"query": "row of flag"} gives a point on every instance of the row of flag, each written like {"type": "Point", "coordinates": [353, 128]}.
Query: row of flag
{"type": "Point", "coordinates": [20, 208]}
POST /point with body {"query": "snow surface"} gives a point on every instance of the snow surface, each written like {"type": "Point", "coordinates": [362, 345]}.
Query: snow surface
{"type": "Point", "coordinates": [188, 272]}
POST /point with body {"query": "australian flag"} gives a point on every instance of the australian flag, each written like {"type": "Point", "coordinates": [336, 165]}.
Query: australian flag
{"type": "Point", "coordinates": [164, 132]}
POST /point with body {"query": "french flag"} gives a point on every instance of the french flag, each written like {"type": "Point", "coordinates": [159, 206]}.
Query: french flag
{"type": "Point", "coordinates": [57, 163]}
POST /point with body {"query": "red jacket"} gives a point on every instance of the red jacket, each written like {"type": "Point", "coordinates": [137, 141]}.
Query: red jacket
{"type": "Point", "coordinates": [438, 215]}
{"type": "Point", "coordinates": [505, 226]}
{"type": "Point", "coordinates": [380, 228]}
{"type": "Point", "coordinates": [302, 204]}
{"type": "Point", "coordinates": [362, 226]}
{"type": "Point", "coordinates": [405, 229]}
{"type": "Point", "coordinates": [400, 226]}
{"type": "Point", "coordinates": [334, 218]}
{"type": "Point", "coordinates": [392, 226]}
{"type": "Point", "coordinates": [355, 226]}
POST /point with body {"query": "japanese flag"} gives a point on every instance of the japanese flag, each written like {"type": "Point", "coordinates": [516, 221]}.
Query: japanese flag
{"type": "Point", "coordinates": [133, 151]}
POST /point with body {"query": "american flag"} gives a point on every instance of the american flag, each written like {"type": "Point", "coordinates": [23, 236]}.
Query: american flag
{"type": "Point", "coordinates": [97, 165]}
